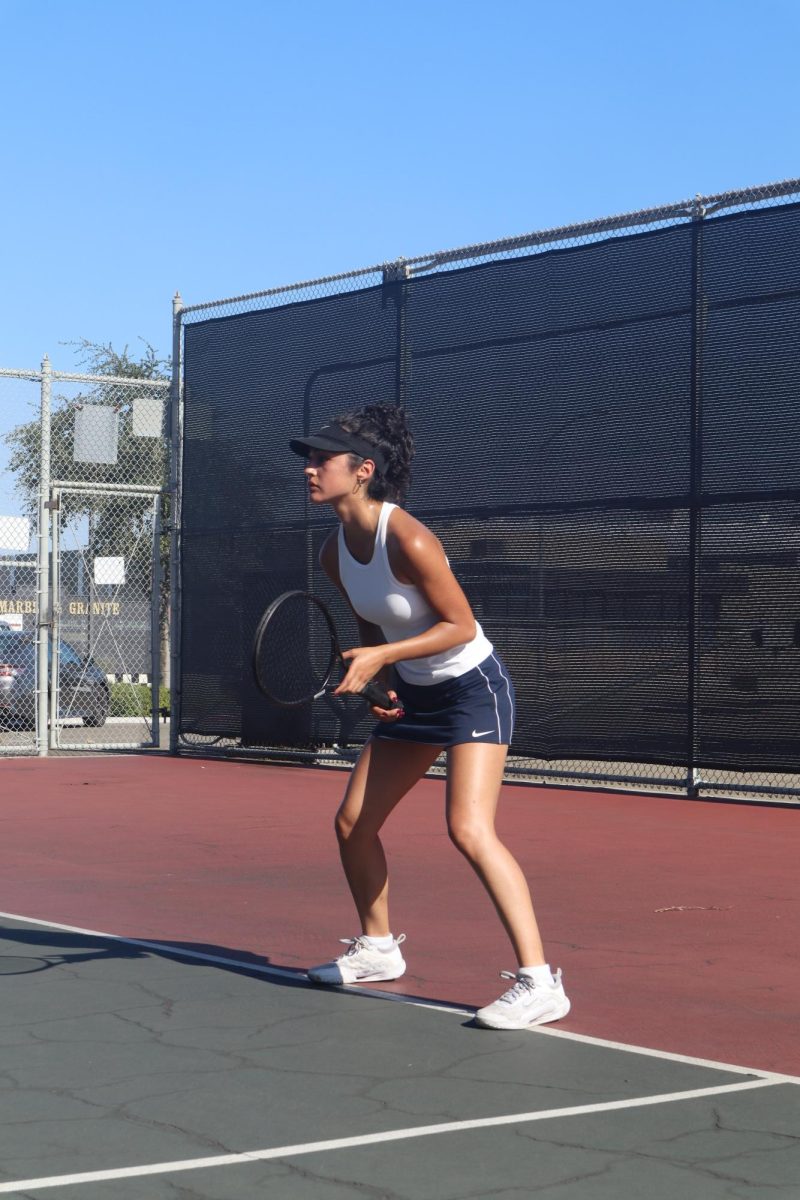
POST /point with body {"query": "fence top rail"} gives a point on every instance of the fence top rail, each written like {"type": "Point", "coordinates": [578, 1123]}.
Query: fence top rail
{"type": "Point", "coordinates": [70, 377]}
{"type": "Point", "coordinates": [682, 209]}
{"type": "Point", "coordinates": [8, 373]}
{"type": "Point", "coordinates": [122, 380]}
{"type": "Point", "coordinates": [287, 287]}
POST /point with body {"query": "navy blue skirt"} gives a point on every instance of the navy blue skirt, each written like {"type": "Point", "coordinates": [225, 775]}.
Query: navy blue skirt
{"type": "Point", "coordinates": [475, 707]}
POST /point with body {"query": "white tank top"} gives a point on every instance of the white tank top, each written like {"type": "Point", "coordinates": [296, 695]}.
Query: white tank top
{"type": "Point", "coordinates": [401, 611]}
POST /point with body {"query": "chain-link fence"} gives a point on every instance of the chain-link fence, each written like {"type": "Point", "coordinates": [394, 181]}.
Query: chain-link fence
{"type": "Point", "coordinates": [607, 428]}
{"type": "Point", "coordinates": [93, 639]}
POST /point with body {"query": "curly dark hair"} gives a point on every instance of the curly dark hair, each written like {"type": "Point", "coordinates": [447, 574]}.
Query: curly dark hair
{"type": "Point", "coordinates": [385, 425]}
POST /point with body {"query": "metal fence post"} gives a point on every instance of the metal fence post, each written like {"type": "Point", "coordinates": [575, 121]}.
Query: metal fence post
{"type": "Point", "coordinates": [155, 624]}
{"type": "Point", "coordinates": [396, 277]}
{"type": "Point", "coordinates": [43, 605]}
{"type": "Point", "coordinates": [174, 526]}
{"type": "Point", "coordinates": [693, 780]}
{"type": "Point", "coordinates": [55, 625]}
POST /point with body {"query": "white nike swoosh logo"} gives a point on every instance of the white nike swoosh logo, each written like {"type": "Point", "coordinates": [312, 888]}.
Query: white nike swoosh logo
{"type": "Point", "coordinates": [482, 733]}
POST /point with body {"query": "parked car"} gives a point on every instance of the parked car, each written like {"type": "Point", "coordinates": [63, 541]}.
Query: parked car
{"type": "Point", "coordinates": [84, 688]}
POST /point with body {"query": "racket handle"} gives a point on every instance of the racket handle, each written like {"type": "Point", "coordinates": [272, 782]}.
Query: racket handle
{"type": "Point", "coordinates": [375, 694]}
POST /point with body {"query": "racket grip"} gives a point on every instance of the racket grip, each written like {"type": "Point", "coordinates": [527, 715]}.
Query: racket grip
{"type": "Point", "coordinates": [374, 694]}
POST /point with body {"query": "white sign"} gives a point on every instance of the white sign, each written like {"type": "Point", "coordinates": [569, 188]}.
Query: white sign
{"type": "Point", "coordinates": [148, 416]}
{"type": "Point", "coordinates": [109, 570]}
{"type": "Point", "coordinates": [15, 533]}
{"type": "Point", "coordinates": [96, 434]}
{"type": "Point", "coordinates": [12, 621]}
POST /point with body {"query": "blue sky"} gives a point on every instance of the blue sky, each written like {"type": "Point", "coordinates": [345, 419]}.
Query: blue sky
{"type": "Point", "coordinates": [220, 148]}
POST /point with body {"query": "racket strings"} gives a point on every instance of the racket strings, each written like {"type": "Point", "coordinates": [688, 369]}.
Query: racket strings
{"type": "Point", "coordinates": [295, 655]}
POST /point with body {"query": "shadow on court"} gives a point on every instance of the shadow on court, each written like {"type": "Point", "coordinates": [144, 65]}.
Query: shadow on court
{"type": "Point", "coordinates": [68, 948]}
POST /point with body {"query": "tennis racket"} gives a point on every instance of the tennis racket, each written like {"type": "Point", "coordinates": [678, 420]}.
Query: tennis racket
{"type": "Point", "coordinates": [296, 651]}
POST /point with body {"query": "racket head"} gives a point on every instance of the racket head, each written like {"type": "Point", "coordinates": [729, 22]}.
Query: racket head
{"type": "Point", "coordinates": [295, 649]}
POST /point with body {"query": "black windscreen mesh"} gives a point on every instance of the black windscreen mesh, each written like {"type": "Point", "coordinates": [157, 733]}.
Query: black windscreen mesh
{"type": "Point", "coordinates": [552, 398]}
{"type": "Point", "coordinates": [749, 692]}
{"type": "Point", "coordinates": [251, 382]}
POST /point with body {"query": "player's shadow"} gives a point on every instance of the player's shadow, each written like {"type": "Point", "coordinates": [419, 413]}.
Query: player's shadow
{"type": "Point", "coordinates": [51, 948]}
{"type": "Point", "coordinates": [64, 948]}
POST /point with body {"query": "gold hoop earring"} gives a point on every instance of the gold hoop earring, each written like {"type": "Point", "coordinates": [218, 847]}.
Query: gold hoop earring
{"type": "Point", "coordinates": [358, 487]}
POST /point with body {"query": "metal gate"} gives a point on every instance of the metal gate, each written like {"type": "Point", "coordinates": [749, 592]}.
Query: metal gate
{"type": "Point", "coordinates": [105, 678]}
{"type": "Point", "coordinates": [109, 609]}
{"type": "Point", "coordinates": [84, 631]}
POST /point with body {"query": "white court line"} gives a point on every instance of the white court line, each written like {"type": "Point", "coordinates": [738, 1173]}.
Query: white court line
{"type": "Point", "coordinates": [402, 998]}
{"type": "Point", "coordinates": [773, 1076]}
{"type": "Point", "coordinates": [371, 1139]}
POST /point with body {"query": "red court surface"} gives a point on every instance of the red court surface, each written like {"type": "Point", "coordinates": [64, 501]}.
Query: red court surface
{"type": "Point", "coordinates": [675, 922]}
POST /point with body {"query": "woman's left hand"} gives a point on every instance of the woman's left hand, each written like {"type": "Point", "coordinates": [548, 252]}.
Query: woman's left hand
{"type": "Point", "coordinates": [364, 663]}
{"type": "Point", "coordinates": [388, 714]}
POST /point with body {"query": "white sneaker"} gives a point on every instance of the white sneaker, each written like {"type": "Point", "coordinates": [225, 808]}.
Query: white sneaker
{"type": "Point", "coordinates": [362, 963]}
{"type": "Point", "coordinates": [525, 1004]}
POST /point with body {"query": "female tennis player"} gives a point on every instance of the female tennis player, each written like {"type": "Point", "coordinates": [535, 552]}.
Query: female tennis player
{"type": "Point", "coordinates": [453, 693]}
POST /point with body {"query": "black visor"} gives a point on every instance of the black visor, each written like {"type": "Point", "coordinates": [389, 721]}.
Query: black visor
{"type": "Point", "coordinates": [336, 440]}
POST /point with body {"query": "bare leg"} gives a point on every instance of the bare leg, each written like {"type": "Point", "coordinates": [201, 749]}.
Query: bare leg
{"type": "Point", "coordinates": [381, 777]}
{"type": "Point", "coordinates": [474, 775]}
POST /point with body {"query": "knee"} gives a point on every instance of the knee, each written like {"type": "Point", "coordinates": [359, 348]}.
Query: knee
{"type": "Point", "coordinates": [343, 827]}
{"type": "Point", "coordinates": [469, 838]}
{"type": "Point", "coordinates": [350, 831]}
